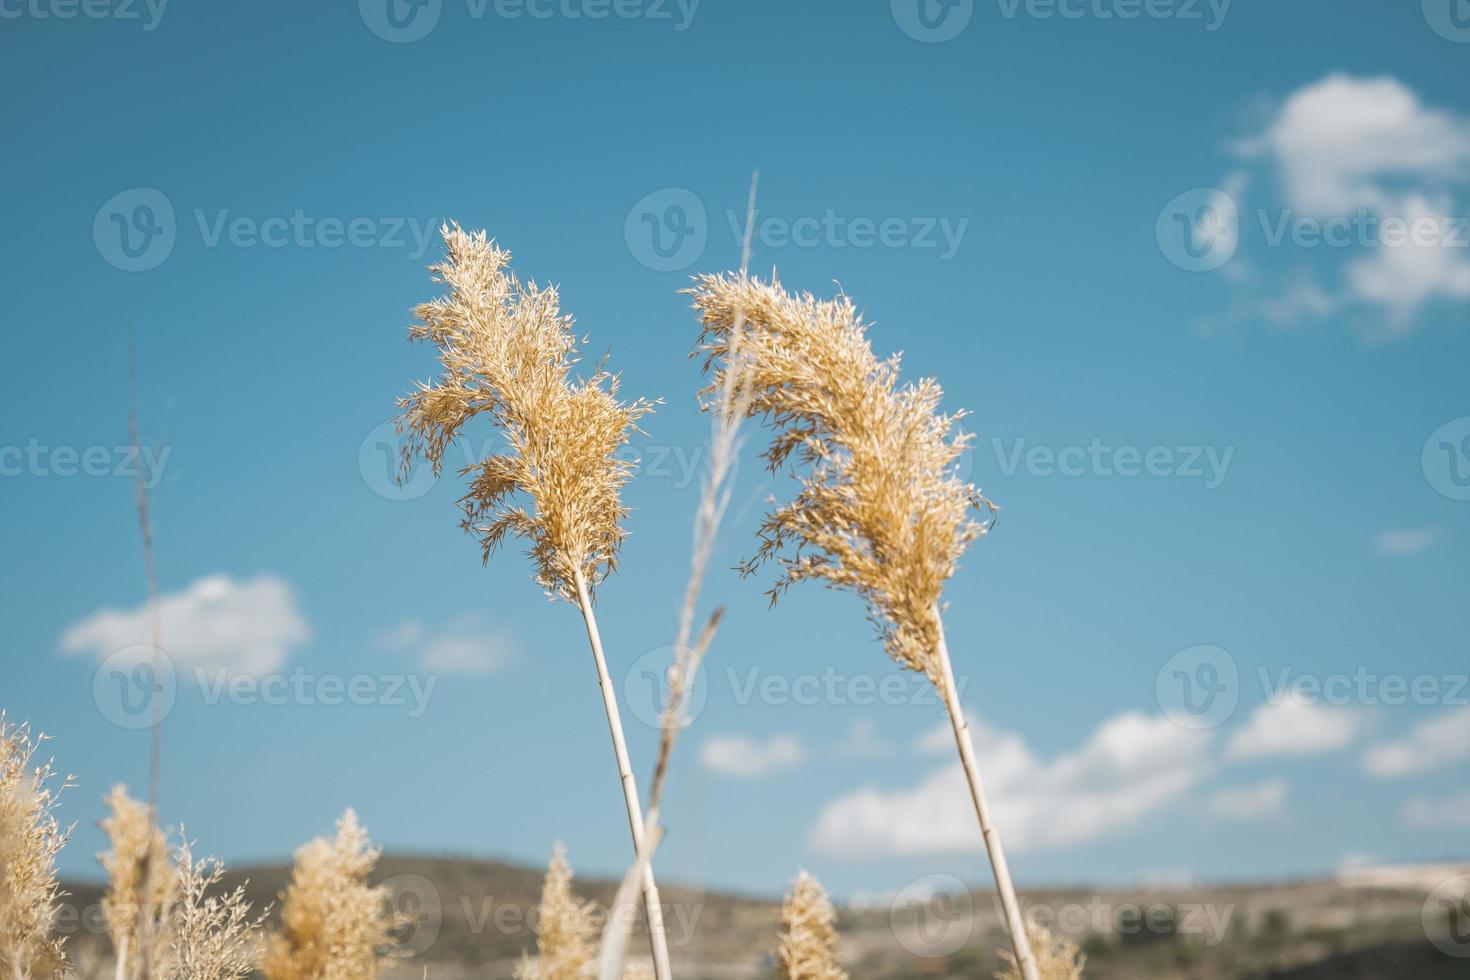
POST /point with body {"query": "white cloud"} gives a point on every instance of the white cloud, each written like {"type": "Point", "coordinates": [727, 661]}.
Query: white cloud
{"type": "Point", "coordinates": [1131, 767]}
{"type": "Point", "coordinates": [1264, 799]}
{"type": "Point", "coordinates": [862, 741]}
{"type": "Point", "coordinates": [1405, 542]}
{"type": "Point", "coordinates": [248, 627]}
{"type": "Point", "coordinates": [746, 758]}
{"type": "Point", "coordinates": [1301, 300]}
{"type": "Point", "coordinates": [1294, 727]}
{"type": "Point", "coordinates": [1432, 744]}
{"type": "Point", "coordinates": [465, 646]}
{"type": "Point", "coordinates": [1353, 148]}
{"type": "Point", "coordinates": [1338, 141]}
{"type": "Point", "coordinates": [1424, 264]}
{"type": "Point", "coordinates": [1450, 813]}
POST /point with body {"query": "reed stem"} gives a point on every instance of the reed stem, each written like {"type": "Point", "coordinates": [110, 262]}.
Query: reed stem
{"type": "Point", "coordinates": [654, 912]}
{"type": "Point", "coordinates": [1012, 909]}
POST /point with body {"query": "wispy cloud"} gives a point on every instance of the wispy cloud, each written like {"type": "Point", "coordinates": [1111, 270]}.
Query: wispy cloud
{"type": "Point", "coordinates": [1369, 161]}
{"type": "Point", "coordinates": [746, 758]}
{"type": "Point", "coordinates": [1295, 727]}
{"type": "Point", "coordinates": [466, 645]}
{"type": "Point", "coordinates": [1406, 542]}
{"type": "Point", "coordinates": [1131, 767]}
{"type": "Point", "coordinates": [1264, 799]}
{"type": "Point", "coordinates": [1434, 743]}
{"type": "Point", "coordinates": [246, 626]}
{"type": "Point", "coordinates": [862, 741]}
{"type": "Point", "coordinates": [1448, 813]}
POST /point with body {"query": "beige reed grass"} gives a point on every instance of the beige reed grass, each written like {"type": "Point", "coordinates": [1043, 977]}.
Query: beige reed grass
{"type": "Point", "coordinates": [566, 931]}
{"type": "Point", "coordinates": [566, 928]}
{"type": "Point", "coordinates": [508, 352]}
{"type": "Point", "coordinates": [334, 925]}
{"type": "Point", "coordinates": [880, 510]}
{"type": "Point", "coordinates": [1057, 957]}
{"type": "Point", "coordinates": [30, 838]}
{"type": "Point", "coordinates": [141, 886]}
{"type": "Point", "coordinates": [212, 935]}
{"type": "Point", "coordinates": [807, 946]}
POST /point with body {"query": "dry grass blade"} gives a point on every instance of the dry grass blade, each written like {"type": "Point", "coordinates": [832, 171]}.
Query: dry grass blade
{"type": "Point", "coordinates": [334, 925]}
{"type": "Point", "coordinates": [727, 412]}
{"type": "Point", "coordinates": [148, 918]}
{"type": "Point", "coordinates": [620, 914]}
{"type": "Point", "coordinates": [30, 839]}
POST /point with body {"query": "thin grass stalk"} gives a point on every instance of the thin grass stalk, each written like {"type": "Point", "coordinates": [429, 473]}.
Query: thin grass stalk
{"type": "Point", "coordinates": [1003, 884]}
{"type": "Point", "coordinates": [150, 572]}
{"type": "Point", "coordinates": [657, 939]}
{"type": "Point", "coordinates": [728, 411]}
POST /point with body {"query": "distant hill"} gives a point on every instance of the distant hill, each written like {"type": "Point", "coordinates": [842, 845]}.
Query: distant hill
{"type": "Point", "coordinates": [475, 918]}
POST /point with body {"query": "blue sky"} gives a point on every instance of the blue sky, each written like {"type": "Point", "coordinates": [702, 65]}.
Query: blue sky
{"type": "Point", "coordinates": [1156, 245]}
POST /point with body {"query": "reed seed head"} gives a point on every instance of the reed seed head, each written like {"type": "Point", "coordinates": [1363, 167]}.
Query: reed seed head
{"type": "Point", "coordinates": [30, 839]}
{"type": "Point", "coordinates": [807, 947]}
{"type": "Point", "coordinates": [334, 926]}
{"type": "Point", "coordinates": [508, 352]}
{"type": "Point", "coordinates": [566, 928]}
{"type": "Point", "coordinates": [1057, 957]}
{"type": "Point", "coordinates": [140, 883]}
{"type": "Point", "coordinates": [880, 509]}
